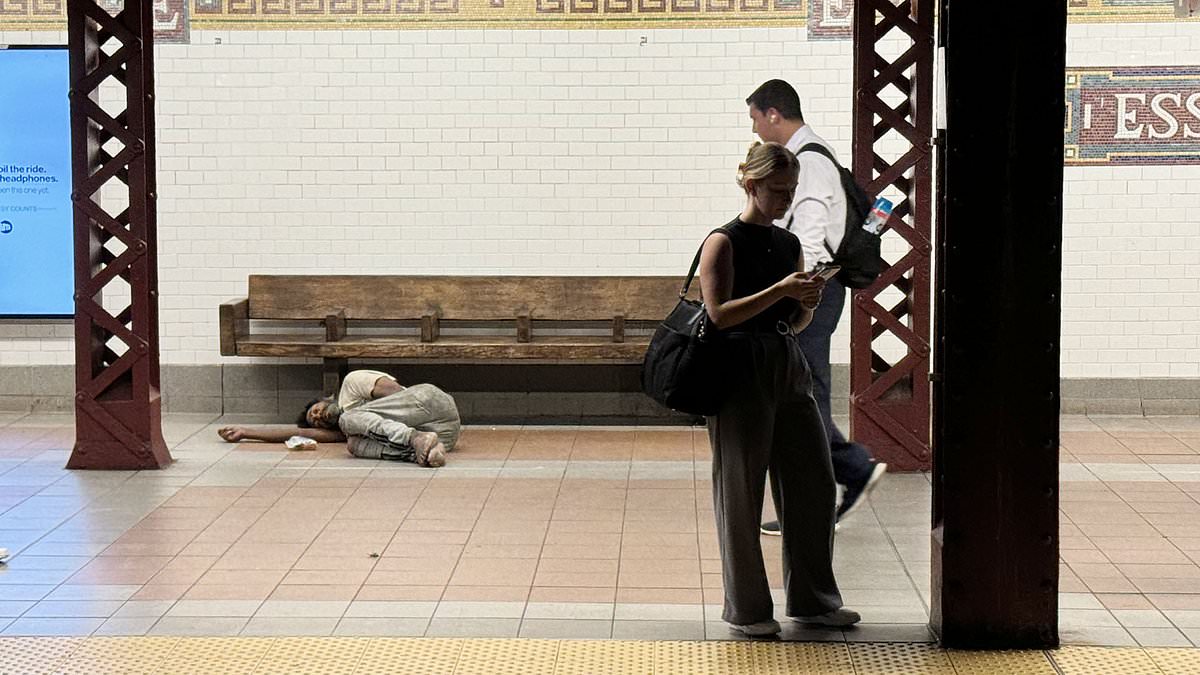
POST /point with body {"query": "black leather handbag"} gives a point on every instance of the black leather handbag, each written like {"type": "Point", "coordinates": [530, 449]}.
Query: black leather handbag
{"type": "Point", "coordinates": [684, 367]}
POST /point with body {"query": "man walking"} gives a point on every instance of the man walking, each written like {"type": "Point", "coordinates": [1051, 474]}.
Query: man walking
{"type": "Point", "coordinates": [818, 217]}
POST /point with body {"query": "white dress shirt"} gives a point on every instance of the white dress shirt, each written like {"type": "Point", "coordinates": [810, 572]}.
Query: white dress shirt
{"type": "Point", "coordinates": [818, 211]}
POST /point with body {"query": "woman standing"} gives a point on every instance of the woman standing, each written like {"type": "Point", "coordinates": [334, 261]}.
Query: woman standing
{"type": "Point", "coordinates": [758, 300]}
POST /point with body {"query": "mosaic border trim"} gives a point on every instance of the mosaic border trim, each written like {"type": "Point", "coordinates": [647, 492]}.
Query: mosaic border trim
{"type": "Point", "coordinates": [1132, 116]}
{"type": "Point", "coordinates": [442, 14]}
{"type": "Point", "coordinates": [825, 19]}
{"type": "Point", "coordinates": [1121, 11]}
{"type": "Point", "coordinates": [831, 20]}
{"type": "Point", "coordinates": [171, 17]}
{"type": "Point", "coordinates": [511, 14]}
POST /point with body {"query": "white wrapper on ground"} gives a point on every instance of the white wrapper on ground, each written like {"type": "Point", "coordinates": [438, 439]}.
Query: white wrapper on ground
{"type": "Point", "coordinates": [300, 443]}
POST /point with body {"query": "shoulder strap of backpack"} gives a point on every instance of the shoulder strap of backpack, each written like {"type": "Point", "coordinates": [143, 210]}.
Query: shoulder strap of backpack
{"type": "Point", "coordinates": [824, 152]}
{"type": "Point", "coordinates": [820, 150]}
{"type": "Point", "coordinates": [687, 283]}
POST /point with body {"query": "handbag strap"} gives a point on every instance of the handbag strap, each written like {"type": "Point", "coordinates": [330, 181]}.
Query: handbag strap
{"type": "Point", "coordinates": [687, 283]}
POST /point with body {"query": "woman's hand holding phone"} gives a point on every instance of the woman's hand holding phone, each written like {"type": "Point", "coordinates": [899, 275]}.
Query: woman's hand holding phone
{"type": "Point", "coordinates": [825, 271]}
{"type": "Point", "coordinates": [806, 289]}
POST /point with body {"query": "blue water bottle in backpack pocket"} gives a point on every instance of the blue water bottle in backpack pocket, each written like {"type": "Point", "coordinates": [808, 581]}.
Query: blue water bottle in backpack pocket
{"type": "Point", "coordinates": [878, 216]}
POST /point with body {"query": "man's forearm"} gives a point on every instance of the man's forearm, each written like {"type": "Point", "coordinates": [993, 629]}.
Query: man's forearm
{"type": "Point", "coordinates": [278, 433]}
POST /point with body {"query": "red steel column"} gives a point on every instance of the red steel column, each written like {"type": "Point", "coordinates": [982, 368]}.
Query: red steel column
{"type": "Point", "coordinates": [118, 411]}
{"type": "Point", "coordinates": [890, 400]}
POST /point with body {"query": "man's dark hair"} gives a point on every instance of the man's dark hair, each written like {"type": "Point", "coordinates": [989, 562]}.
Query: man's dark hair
{"type": "Point", "coordinates": [302, 421]}
{"type": "Point", "coordinates": [779, 95]}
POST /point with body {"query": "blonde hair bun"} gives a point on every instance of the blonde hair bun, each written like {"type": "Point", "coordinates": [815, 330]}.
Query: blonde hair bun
{"type": "Point", "coordinates": [764, 159]}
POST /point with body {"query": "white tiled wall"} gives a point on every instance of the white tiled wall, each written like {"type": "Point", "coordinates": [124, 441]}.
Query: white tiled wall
{"type": "Point", "coordinates": [1131, 250]}
{"type": "Point", "coordinates": [568, 152]}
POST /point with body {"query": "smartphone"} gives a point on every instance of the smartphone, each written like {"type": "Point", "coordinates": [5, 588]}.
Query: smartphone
{"type": "Point", "coordinates": [825, 270]}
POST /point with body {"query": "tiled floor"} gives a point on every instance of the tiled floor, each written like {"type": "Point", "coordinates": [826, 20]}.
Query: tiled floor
{"type": "Point", "coordinates": [602, 533]}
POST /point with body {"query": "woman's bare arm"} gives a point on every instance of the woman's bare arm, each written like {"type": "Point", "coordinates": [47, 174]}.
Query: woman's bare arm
{"type": "Point", "coordinates": [804, 312]}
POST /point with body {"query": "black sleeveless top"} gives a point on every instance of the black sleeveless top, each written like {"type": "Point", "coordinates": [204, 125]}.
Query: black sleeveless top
{"type": "Point", "coordinates": [762, 255]}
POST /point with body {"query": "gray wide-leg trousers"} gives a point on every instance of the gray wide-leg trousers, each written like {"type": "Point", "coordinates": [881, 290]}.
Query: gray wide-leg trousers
{"type": "Point", "coordinates": [772, 422]}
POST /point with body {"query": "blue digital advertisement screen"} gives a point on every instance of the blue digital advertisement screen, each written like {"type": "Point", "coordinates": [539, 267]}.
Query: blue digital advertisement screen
{"type": "Point", "coordinates": [36, 248]}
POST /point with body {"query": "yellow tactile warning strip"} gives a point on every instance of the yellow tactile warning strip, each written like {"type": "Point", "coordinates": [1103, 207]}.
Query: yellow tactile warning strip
{"type": "Point", "coordinates": [784, 658]}
{"type": "Point", "coordinates": [35, 654]}
{"type": "Point", "coordinates": [301, 655]}
{"type": "Point", "coordinates": [1001, 663]}
{"type": "Point", "coordinates": [507, 657]}
{"type": "Point", "coordinates": [1176, 660]}
{"type": "Point", "coordinates": [216, 655]}
{"type": "Point", "coordinates": [607, 656]}
{"type": "Point", "coordinates": [682, 658]}
{"type": "Point", "coordinates": [116, 655]}
{"type": "Point", "coordinates": [407, 656]}
{"type": "Point", "coordinates": [876, 658]}
{"type": "Point", "coordinates": [558, 657]}
{"type": "Point", "coordinates": [1104, 661]}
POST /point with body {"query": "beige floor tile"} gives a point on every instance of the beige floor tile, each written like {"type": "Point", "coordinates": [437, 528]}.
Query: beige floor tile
{"type": "Point", "coordinates": [155, 592]}
{"type": "Point", "coordinates": [494, 572]}
{"type": "Point", "coordinates": [415, 571]}
{"type": "Point", "coordinates": [326, 577]}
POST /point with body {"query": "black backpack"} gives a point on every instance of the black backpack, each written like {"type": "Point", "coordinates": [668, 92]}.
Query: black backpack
{"type": "Point", "coordinates": [858, 253]}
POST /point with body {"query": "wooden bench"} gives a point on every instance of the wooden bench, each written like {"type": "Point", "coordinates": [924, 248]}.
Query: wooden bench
{"type": "Point", "coordinates": [447, 319]}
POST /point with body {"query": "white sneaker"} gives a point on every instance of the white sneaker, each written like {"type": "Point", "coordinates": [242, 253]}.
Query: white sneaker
{"type": "Point", "coordinates": [853, 497]}
{"type": "Point", "coordinates": [772, 528]}
{"type": "Point", "coordinates": [761, 628]}
{"type": "Point", "coordinates": [3, 555]}
{"type": "Point", "coordinates": [838, 618]}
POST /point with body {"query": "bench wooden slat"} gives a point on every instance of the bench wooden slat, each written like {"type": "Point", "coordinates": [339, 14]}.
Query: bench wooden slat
{"type": "Point", "coordinates": [471, 348]}
{"type": "Point", "coordinates": [484, 298]}
{"type": "Point", "coordinates": [492, 305]}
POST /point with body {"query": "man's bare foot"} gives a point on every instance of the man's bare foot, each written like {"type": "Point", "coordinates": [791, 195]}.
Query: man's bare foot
{"type": "Point", "coordinates": [429, 450]}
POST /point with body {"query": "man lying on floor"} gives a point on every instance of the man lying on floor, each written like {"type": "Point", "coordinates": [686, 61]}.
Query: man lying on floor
{"type": "Point", "coordinates": [378, 419]}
